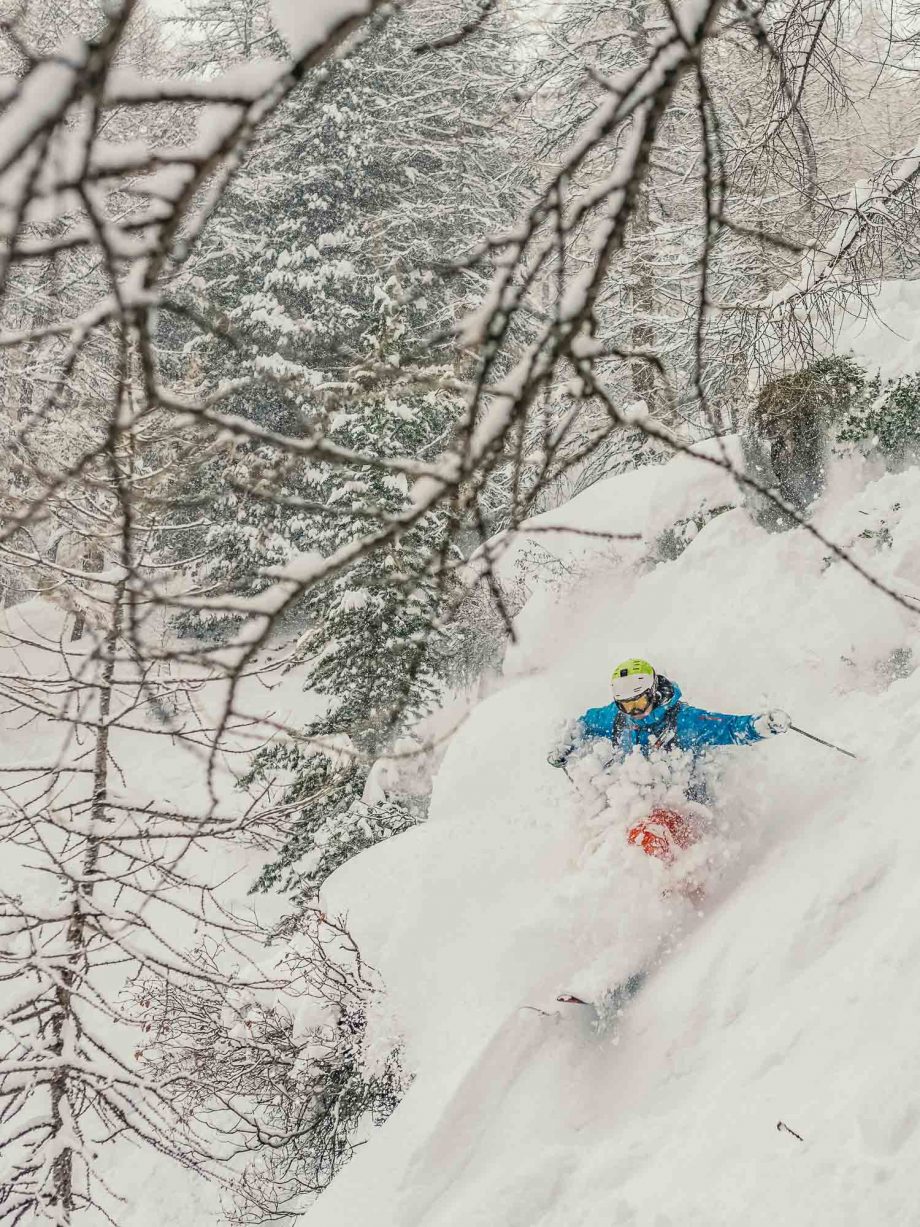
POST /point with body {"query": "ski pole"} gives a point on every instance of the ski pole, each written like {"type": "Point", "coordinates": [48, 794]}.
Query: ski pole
{"type": "Point", "coordinates": [820, 740]}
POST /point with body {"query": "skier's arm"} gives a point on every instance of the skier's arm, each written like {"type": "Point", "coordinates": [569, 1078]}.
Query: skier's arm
{"type": "Point", "coordinates": [595, 725]}
{"type": "Point", "coordinates": [710, 728]}
{"type": "Point", "coordinates": [572, 736]}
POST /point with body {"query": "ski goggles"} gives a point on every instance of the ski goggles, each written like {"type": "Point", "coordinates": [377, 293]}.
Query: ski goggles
{"type": "Point", "coordinates": [638, 706]}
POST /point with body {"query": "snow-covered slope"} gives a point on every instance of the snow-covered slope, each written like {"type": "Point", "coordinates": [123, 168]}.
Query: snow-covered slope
{"type": "Point", "coordinates": [790, 995]}
{"type": "Point", "coordinates": [881, 333]}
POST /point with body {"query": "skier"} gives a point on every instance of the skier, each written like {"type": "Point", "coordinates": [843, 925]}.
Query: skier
{"type": "Point", "coordinates": [648, 714]}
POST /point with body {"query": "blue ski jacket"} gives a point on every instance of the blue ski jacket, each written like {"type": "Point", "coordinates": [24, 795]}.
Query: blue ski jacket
{"type": "Point", "coordinates": [671, 725]}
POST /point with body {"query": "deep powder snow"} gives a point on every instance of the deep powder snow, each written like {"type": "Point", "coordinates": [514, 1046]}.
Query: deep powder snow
{"type": "Point", "coordinates": [790, 995]}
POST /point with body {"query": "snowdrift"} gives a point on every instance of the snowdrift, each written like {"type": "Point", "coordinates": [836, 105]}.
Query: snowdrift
{"type": "Point", "coordinates": [790, 995]}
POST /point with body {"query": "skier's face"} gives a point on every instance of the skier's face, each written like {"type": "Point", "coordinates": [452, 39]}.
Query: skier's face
{"type": "Point", "coordinates": [638, 706]}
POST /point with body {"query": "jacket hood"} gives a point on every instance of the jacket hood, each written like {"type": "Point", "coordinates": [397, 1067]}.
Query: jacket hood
{"type": "Point", "coordinates": [668, 698]}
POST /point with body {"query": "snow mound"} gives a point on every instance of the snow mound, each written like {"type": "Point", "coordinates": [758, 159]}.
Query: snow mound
{"type": "Point", "coordinates": [789, 995]}
{"type": "Point", "coordinates": [882, 333]}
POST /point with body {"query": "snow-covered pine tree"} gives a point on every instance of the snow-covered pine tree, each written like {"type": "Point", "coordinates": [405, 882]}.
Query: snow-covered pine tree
{"type": "Point", "coordinates": [318, 278]}
{"type": "Point", "coordinates": [368, 636]}
{"type": "Point", "coordinates": [318, 264]}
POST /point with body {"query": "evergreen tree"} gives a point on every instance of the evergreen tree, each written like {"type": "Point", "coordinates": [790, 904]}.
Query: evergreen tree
{"type": "Point", "coordinates": [320, 266]}
{"type": "Point", "coordinates": [320, 260]}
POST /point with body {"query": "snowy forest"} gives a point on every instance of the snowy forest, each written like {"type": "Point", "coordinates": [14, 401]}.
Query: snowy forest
{"type": "Point", "coordinates": [375, 377]}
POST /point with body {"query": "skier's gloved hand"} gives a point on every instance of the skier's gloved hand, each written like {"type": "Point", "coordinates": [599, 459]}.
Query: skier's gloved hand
{"type": "Point", "coordinates": [769, 723]}
{"type": "Point", "coordinates": [569, 735]}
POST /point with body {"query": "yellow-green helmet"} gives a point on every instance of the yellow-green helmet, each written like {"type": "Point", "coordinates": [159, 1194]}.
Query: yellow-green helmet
{"type": "Point", "coordinates": [632, 678]}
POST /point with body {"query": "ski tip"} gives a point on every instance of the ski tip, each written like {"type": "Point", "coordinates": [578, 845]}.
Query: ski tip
{"type": "Point", "coordinates": [571, 999]}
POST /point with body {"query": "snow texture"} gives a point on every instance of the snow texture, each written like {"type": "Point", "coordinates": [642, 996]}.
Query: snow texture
{"type": "Point", "coordinates": [884, 336]}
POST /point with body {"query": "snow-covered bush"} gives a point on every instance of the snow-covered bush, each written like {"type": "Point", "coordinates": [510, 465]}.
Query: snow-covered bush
{"type": "Point", "coordinates": [887, 419]}
{"type": "Point", "coordinates": [344, 834]}
{"type": "Point", "coordinates": [791, 423]}
{"type": "Point", "coordinates": [283, 1064]}
{"type": "Point", "coordinates": [798, 416]}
